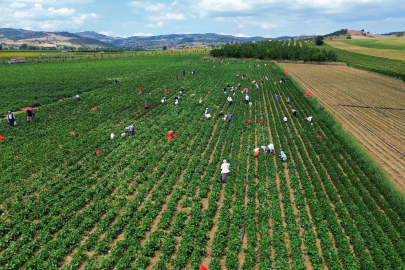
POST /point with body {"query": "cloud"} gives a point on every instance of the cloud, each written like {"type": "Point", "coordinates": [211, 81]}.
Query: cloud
{"type": "Point", "coordinates": [168, 17]}
{"type": "Point", "coordinates": [147, 6]}
{"type": "Point", "coordinates": [157, 25]}
{"type": "Point", "coordinates": [263, 25]}
{"type": "Point", "coordinates": [142, 35]}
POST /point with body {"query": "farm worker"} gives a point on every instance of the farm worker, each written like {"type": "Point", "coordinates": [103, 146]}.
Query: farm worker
{"type": "Point", "coordinates": [201, 99]}
{"type": "Point", "coordinates": [112, 136]}
{"type": "Point", "coordinates": [202, 267]}
{"type": "Point", "coordinates": [288, 100]}
{"type": "Point", "coordinates": [261, 122]}
{"type": "Point", "coordinates": [165, 91]}
{"type": "Point", "coordinates": [230, 100]}
{"type": "Point", "coordinates": [257, 152]}
{"type": "Point", "coordinates": [225, 171]}
{"type": "Point", "coordinates": [177, 76]}
{"type": "Point", "coordinates": [239, 85]}
{"type": "Point", "coordinates": [229, 118]}
{"type": "Point", "coordinates": [276, 97]}
{"type": "Point", "coordinates": [116, 82]}
{"type": "Point", "coordinates": [283, 156]}
{"type": "Point", "coordinates": [77, 97]}
{"type": "Point", "coordinates": [184, 72]}
{"type": "Point", "coordinates": [182, 90]}
{"type": "Point", "coordinates": [140, 90]}
{"type": "Point", "coordinates": [249, 122]}
{"type": "Point", "coordinates": [170, 135]}
{"type": "Point", "coordinates": [98, 152]}
{"type": "Point", "coordinates": [11, 118]}
{"type": "Point", "coordinates": [1, 138]}
{"type": "Point", "coordinates": [285, 119]}
{"type": "Point", "coordinates": [130, 129]}
{"type": "Point", "coordinates": [270, 148]}
{"type": "Point", "coordinates": [294, 111]}
{"type": "Point", "coordinates": [257, 87]}
{"type": "Point", "coordinates": [309, 119]}
{"type": "Point", "coordinates": [30, 115]}
{"type": "Point", "coordinates": [176, 98]}
{"type": "Point", "coordinates": [266, 78]}
{"type": "Point", "coordinates": [221, 113]}
{"type": "Point", "coordinates": [214, 67]}
{"type": "Point", "coordinates": [224, 89]}
{"type": "Point", "coordinates": [146, 106]}
{"type": "Point", "coordinates": [193, 72]}
{"type": "Point", "coordinates": [207, 111]}
{"type": "Point", "coordinates": [163, 99]}
{"type": "Point", "coordinates": [246, 99]}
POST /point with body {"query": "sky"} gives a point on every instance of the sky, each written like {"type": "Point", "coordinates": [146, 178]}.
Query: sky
{"type": "Point", "coordinates": [245, 18]}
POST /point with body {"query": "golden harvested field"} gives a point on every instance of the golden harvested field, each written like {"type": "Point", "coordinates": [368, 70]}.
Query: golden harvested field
{"type": "Point", "coordinates": [391, 54]}
{"type": "Point", "coordinates": [373, 128]}
{"type": "Point", "coordinates": [18, 54]}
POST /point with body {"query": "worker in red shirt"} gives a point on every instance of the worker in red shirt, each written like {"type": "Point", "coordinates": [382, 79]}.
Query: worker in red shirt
{"type": "Point", "coordinates": [140, 90]}
{"type": "Point", "coordinates": [261, 122]}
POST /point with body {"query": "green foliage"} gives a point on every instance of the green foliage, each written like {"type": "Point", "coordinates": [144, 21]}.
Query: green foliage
{"type": "Point", "coordinates": [278, 50]}
{"type": "Point", "coordinates": [337, 33]}
{"type": "Point", "coordinates": [23, 46]}
{"type": "Point", "coordinates": [349, 37]}
{"type": "Point", "coordinates": [319, 40]}
{"type": "Point", "coordinates": [165, 48]}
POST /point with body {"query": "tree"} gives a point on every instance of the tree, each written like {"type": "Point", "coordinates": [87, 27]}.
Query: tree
{"type": "Point", "coordinates": [164, 48]}
{"type": "Point", "coordinates": [23, 46]}
{"type": "Point", "coordinates": [1, 47]}
{"type": "Point", "coordinates": [319, 40]}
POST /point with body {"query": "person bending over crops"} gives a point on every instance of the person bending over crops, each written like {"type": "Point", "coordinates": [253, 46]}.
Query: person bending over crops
{"type": "Point", "coordinates": [282, 156]}
{"type": "Point", "coordinates": [309, 119]}
{"type": "Point", "coordinates": [130, 129]}
{"type": "Point", "coordinates": [294, 111]}
{"type": "Point", "coordinates": [246, 99]}
{"type": "Point", "coordinates": [285, 119]}
{"type": "Point", "coordinates": [11, 118]}
{"type": "Point", "coordinates": [257, 87]}
{"type": "Point", "coordinates": [140, 90]}
{"type": "Point", "coordinates": [225, 171]}
{"type": "Point", "coordinates": [77, 97]}
{"type": "Point", "coordinates": [221, 113]}
{"type": "Point", "coordinates": [30, 115]}
{"type": "Point", "coordinates": [229, 118]}
{"type": "Point", "coordinates": [288, 100]}
{"type": "Point", "coordinates": [184, 72]}
{"type": "Point", "coordinates": [116, 82]}
{"type": "Point", "coordinates": [229, 101]}
{"type": "Point", "coordinates": [146, 106]}
{"type": "Point", "coordinates": [270, 148]}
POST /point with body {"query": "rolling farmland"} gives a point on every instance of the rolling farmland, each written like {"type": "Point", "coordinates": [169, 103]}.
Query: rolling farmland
{"type": "Point", "coordinates": [148, 203]}
{"type": "Point", "coordinates": [333, 85]}
{"type": "Point", "coordinates": [395, 54]}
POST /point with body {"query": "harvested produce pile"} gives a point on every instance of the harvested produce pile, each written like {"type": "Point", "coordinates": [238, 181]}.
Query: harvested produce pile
{"type": "Point", "coordinates": [149, 203]}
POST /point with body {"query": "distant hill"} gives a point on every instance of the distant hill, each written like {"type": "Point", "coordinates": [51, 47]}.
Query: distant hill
{"type": "Point", "coordinates": [16, 37]}
{"type": "Point", "coordinates": [355, 34]}
{"type": "Point", "coordinates": [171, 40]}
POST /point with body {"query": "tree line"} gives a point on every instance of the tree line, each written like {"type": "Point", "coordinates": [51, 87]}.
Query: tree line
{"type": "Point", "coordinates": [277, 50]}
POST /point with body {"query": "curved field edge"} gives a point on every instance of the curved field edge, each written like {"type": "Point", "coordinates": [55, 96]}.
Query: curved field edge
{"type": "Point", "coordinates": [365, 161]}
{"type": "Point", "coordinates": [389, 67]}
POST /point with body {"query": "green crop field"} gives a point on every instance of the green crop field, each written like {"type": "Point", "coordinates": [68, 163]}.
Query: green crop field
{"type": "Point", "coordinates": [379, 43]}
{"type": "Point", "coordinates": [148, 203]}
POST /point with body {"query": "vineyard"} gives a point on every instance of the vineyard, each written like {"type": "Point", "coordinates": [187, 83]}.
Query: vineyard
{"type": "Point", "coordinates": [149, 203]}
